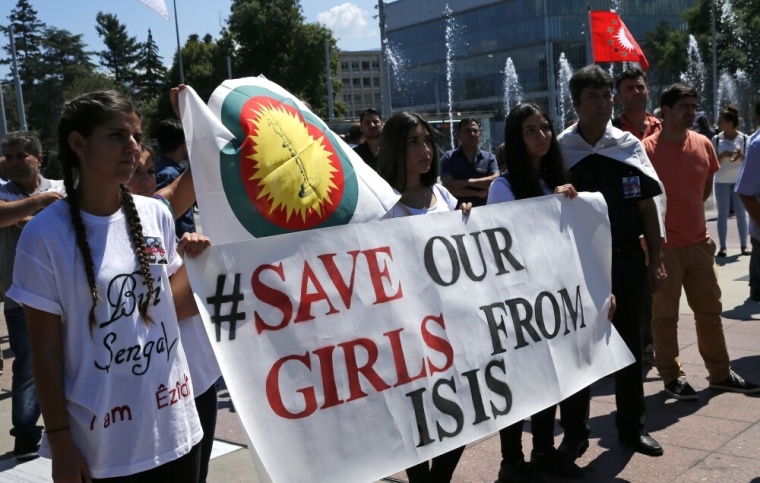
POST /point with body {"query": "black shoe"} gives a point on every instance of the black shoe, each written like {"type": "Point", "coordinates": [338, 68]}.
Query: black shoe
{"type": "Point", "coordinates": [735, 383]}
{"type": "Point", "coordinates": [552, 462]}
{"type": "Point", "coordinates": [517, 472]}
{"type": "Point", "coordinates": [643, 443]}
{"type": "Point", "coordinates": [25, 448]}
{"type": "Point", "coordinates": [573, 446]}
{"type": "Point", "coordinates": [754, 294]}
{"type": "Point", "coordinates": [681, 390]}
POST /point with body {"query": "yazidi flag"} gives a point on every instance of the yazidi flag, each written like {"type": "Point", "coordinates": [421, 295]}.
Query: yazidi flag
{"type": "Point", "coordinates": [264, 164]}
{"type": "Point", "coordinates": [612, 42]}
{"type": "Point", "coordinates": [159, 6]}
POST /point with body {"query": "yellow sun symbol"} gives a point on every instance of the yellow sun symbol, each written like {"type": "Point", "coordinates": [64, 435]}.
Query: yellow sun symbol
{"type": "Point", "coordinates": [293, 169]}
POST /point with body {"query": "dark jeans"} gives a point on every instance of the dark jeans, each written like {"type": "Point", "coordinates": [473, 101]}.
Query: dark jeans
{"type": "Point", "coordinates": [440, 471]}
{"type": "Point", "coordinates": [184, 469]}
{"type": "Point", "coordinates": [25, 408]}
{"type": "Point", "coordinates": [205, 404]}
{"type": "Point", "coordinates": [628, 284]}
{"type": "Point", "coordinates": [754, 269]}
{"type": "Point", "coordinates": [542, 429]}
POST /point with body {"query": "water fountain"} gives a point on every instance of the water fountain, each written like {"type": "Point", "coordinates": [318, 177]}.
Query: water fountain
{"type": "Point", "coordinates": [729, 21]}
{"type": "Point", "coordinates": [563, 83]}
{"type": "Point", "coordinates": [727, 92]}
{"type": "Point", "coordinates": [450, 35]}
{"type": "Point", "coordinates": [513, 93]}
{"type": "Point", "coordinates": [695, 69]}
{"type": "Point", "coordinates": [397, 66]}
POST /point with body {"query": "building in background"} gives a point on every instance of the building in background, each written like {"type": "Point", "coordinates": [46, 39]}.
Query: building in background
{"type": "Point", "coordinates": [361, 73]}
{"type": "Point", "coordinates": [484, 34]}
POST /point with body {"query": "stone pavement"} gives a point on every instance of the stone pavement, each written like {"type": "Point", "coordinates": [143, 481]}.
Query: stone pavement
{"type": "Point", "coordinates": [713, 439]}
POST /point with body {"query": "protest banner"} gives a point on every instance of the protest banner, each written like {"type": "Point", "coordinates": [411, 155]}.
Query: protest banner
{"type": "Point", "coordinates": [264, 164]}
{"type": "Point", "coordinates": [354, 352]}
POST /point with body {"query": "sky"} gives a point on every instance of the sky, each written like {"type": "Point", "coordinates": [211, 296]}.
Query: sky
{"type": "Point", "coordinates": [350, 20]}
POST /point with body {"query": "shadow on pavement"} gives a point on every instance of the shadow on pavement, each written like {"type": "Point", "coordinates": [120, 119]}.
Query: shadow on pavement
{"type": "Point", "coordinates": [744, 311]}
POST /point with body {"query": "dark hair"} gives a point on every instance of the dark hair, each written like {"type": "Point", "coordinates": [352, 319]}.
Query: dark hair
{"type": "Point", "coordinates": [391, 160]}
{"type": "Point", "coordinates": [26, 139]}
{"type": "Point", "coordinates": [589, 76]}
{"type": "Point", "coordinates": [368, 112]}
{"type": "Point", "coordinates": [354, 132]}
{"type": "Point", "coordinates": [83, 115]}
{"type": "Point", "coordinates": [632, 73]}
{"type": "Point", "coordinates": [522, 177]}
{"type": "Point", "coordinates": [169, 135]}
{"type": "Point", "coordinates": [675, 92]}
{"type": "Point", "coordinates": [466, 122]}
{"type": "Point", "coordinates": [52, 168]}
{"type": "Point", "coordinates": [757, 108]}
{"type": "Point", "coordinates": [730, 114]}
{"type": "Point", "coordinates": [144, 148]}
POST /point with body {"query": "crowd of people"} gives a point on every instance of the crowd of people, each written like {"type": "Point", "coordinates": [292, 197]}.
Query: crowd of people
{"type": "Point", "coordinates": [94, 262]}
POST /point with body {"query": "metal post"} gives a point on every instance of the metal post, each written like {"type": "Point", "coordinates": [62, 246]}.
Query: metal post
{"type": "Point", "coordinates": [229, 67]}
{"type": "Point", "coordinates": [179, 47]}
{"type": "Point", "coordinates": [714, 62]}
{"type": "Point", "coordinates": [3, 121]}
{"type": "Point", "coordinates": [17, 79]}
{"type": "Point", "coordinates": [330, 110]}
{"type": "Point", "coordinates": [387, 108]}
{"type": "Point", "coordinates": [551, 83]}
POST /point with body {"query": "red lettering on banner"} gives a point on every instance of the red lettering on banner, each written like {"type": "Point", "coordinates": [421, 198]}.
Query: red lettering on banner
{"type": "Point", "coordinates": [327, 369]}
{"type": "Point", "coordinates": [307, 298]}
{"type": "Point", "coordinates": [402, 371]}
{"type": "Point", "coordinates": [274, 395]}
{"type": "Point", "coordinates": [437, 344]}
{"type": "Point", "coordinates": [313, 290]}
{"type": "Point", "coordinates": [272, 297]}
{"type": "Point", "coordinates": [353, 369]}
{"type": "Point", "coordinates": [377, 275]}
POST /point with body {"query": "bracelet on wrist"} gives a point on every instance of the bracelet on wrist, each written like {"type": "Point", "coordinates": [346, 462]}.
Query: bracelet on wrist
{"type": "Point", "coordinates": [48, 431]}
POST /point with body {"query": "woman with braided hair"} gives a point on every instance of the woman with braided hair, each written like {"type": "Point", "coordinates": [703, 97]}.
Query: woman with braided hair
{"type": "Point", "coordinates": [102, 286]}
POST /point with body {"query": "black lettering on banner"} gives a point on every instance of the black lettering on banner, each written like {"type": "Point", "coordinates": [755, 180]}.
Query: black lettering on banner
{"type": "Point", "coordinates": [495, 327]}
{"type": "Point", "coordinates": [477, 397]}
{"type": "Point", "coordinates": [540, 321]}
{"type": "Point", "coordinates": [431, 267]}
{"type": "Point", "coordinates": [448, 407]}
{"type": "Point", "coordinates": [498, 387]}
{"type": "Point", "coordinates": [573, 310]}
{"type": "Point", "coordinates": [465, 258]}
{"type": "Point", "coordinates": [219, 299]}
{"type": "Point", "coordinates": [504, 252]}
{"type": "Point", "coordinates": [522, 323]}
{"type": "Point", "coordinates": [419, 414]}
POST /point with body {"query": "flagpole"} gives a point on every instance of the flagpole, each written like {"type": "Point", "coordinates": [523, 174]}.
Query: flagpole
{"type": "Point", "coordinates": [589, 40]}
{"type": "Point", "coordinates": [17, 79]}
{"type": "Point", "coordinates": [3, 121]}
{"type": "Point", "coordinates": [179, 47]}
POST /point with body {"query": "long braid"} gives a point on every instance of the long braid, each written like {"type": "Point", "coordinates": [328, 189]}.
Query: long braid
{"type": "Point", "coordinates": [81, 235]}
{"type": "Point", "coordinates": [138, 240]}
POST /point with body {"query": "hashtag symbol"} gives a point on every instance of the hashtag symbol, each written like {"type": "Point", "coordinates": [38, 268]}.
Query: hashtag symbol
{"type": "Point", "coordinates": [220, 299]}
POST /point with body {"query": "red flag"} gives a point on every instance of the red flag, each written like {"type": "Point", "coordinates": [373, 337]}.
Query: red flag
{"type": "Point", "coordinates": [612, 42]}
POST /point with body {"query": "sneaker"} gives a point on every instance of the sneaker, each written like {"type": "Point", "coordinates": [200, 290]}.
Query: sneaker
{"type": "Point", "coordinates": [647, 357]}
{"type": "Point", "coordinates": [735, 383]}
{"type": "Point", "coordinates": [682, 390]}
{"type": "Point", "coordinates": [25, 448]}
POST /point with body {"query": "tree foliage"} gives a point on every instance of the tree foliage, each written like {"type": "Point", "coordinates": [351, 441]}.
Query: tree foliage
{"type": "Point", "coordinates": [151, 79]}
{"type": "Point", "coordinates": [122, 50]}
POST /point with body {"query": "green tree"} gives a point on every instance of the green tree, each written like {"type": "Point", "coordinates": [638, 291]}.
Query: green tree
{"type": "Point", "coordinates": [27, 34]}
{"type": "Point", "coordinates": [151, 81]}
{"type": "Point", "coordinates": [122, 51]}
{"type": "Point", "coordinates": [272, 38]}
{"type": "Point", "coordinates": [665, 50]}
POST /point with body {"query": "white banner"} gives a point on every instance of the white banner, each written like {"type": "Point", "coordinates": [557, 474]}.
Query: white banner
{"type": "Point", "coordinates": [159, 6]}
{"type": "Point", "coordinates": [354, 352]}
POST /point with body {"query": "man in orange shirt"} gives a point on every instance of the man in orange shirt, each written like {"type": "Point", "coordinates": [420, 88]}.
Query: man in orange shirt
{"type": "Point", "coordinates": [685, 162]}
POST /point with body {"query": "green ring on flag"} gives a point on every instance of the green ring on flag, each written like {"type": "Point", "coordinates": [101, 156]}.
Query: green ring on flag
{"type": "Point", "coordinates": [230, 168]}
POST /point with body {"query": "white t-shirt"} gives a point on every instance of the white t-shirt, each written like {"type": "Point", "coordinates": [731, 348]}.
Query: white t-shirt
{"type": "Point", "coordinates": [127, 384]}
{"type": "Point", "coordinates": [729, 170]}
{"type": "Point", "coordinates": [500, 190]}
{"type": "Point", "coordinates": [204, 369]}
{"type": "Point", "coordinates": [445, 201]}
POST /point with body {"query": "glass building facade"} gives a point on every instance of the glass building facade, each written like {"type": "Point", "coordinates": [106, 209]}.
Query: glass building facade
{"type": "Point", "coordinates": [480, 35]}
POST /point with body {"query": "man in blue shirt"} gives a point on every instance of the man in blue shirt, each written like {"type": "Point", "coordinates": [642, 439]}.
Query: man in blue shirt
{"type": "Point", "coordinates": [171, 142]}
{"type": "Point", "coordinates": [468, 170]}
{"type": "Point", "coordinates": [748, 187]}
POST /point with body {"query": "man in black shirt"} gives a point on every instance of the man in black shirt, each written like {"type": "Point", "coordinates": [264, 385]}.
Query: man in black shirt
{"type": "Point", "coordinates": [372, 128]}
{"type": "Point", "coordinates": [605, 159]}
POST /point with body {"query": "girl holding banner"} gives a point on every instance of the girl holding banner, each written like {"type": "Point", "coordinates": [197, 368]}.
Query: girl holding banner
{"type": "Point", "coordinates": [408, 161]}
{"type": "Point", "coordinates": [534, 167]}
{"type": "Point", "coordinates": [102, 286]}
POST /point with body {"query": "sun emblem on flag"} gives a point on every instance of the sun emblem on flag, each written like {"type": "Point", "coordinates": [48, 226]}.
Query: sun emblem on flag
{"type": "Point", "coordinates": [624, 39]}
{"type": "Point", "coordinates": [291, 170]}
{"type": "Point", "coordinates": [285, 170]}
